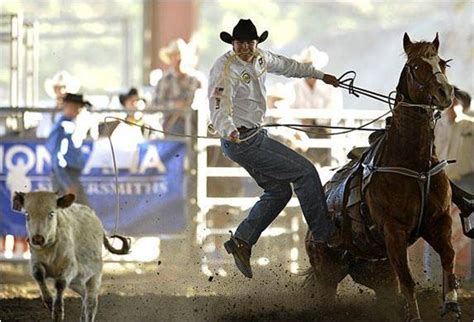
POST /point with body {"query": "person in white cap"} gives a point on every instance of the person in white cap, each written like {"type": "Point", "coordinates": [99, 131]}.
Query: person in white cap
{"type": "Point", "coordinates": [237, 106]}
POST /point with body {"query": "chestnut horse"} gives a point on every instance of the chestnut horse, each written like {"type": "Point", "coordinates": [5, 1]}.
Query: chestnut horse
{"type": "Point", "coordinates": [408, 195]}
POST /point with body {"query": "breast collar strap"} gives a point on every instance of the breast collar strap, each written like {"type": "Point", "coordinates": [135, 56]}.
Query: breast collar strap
{"type": "Point", "coordinates": [423, 179]}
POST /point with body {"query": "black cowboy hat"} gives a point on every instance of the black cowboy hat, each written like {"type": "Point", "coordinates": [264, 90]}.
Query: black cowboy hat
{"type": "Point", "coordinates": [123, 97]}
{"type": "Point", "coordinates": [76, 98]}
{"type": "Point", "coordinates": [244, 30]}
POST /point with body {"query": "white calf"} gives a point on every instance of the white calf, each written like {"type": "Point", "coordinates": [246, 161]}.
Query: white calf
{"type": "Point", "coordinates": [66, 245]}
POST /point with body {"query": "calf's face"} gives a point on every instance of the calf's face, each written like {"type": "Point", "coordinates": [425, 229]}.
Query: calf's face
{"type": "Point", "coordinates": [40, 209]}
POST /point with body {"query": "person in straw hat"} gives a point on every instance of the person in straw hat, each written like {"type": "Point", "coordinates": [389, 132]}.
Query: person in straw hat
{"type": "Point", "coordinates": [237, 106]}
{"type": "Point", "coordinates": [310, 93]}
{"type": "Point", "coordinates": [60, 84]}
{"type": "Point", "coordinates": [176, 89]}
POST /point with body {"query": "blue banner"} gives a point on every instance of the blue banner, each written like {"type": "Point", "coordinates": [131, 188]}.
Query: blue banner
{"type": "Point", "coordinates": [150, 183]}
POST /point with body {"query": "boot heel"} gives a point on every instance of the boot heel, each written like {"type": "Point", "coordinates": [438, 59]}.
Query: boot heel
{"type": "Point", "coordinates": [229, 246]}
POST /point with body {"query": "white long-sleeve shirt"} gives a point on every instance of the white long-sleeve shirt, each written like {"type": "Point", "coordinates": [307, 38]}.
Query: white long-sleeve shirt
{"type": "Point", "coordinates": [237, 94]}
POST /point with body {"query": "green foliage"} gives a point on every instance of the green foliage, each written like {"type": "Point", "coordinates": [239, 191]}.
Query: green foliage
{"type": "Point", "coordinates": [86, 38]}
{"type": "Point", "coordinates": [290, 22]}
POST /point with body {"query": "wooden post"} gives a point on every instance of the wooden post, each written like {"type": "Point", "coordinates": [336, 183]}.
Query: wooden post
{"type": "Point", "coordinates": [166, 20]}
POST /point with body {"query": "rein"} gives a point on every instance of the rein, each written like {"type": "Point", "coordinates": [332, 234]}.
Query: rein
{"type": "Point", "coordinates": [348, 84]}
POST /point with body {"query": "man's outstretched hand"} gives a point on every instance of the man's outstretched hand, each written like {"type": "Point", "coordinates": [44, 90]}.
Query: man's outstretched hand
{"type": "Point", "coordinates": [331, 80]}
{"type": "Point", "coordinates": [235, 136]}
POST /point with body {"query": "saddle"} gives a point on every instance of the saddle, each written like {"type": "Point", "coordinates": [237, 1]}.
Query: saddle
{"type": "Point", "coordinates": [344, 197]}
{"type": "Point", "coordinates": [357, 232]}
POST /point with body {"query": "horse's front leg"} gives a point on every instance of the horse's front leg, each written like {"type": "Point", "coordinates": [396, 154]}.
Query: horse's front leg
{"type": "Point", "coordinates": [438, 235]}
{"type": "Point", "coordinates": [396, 243]}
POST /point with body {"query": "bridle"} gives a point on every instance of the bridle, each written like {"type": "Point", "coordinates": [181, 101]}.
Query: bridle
{"type": "Point", "coordinates": [419, 85]}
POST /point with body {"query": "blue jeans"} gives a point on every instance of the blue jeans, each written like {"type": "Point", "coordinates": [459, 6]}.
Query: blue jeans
{"type": "Point", "coordinates": [274, 167]}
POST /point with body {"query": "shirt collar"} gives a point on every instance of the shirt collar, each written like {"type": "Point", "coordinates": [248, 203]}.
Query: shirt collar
{"type": "Point", "coordinates": [244, 63]}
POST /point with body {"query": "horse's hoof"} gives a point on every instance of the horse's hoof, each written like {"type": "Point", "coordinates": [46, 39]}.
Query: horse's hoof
{"type": "Point", "coordinates": [416, 319]}
{"type": "Point", "coordinates": [452, 307]}
{"type": "Point", "coordinates": [409, 317]}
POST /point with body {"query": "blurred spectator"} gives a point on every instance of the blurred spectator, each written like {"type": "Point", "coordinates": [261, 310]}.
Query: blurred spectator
{"type": "Point", "coordinates": [64, 144]}
{"type": "Point", "coordinates": [454, 139]}
{"type": "Point", "coordinates": [131, 134]}
{"type": "Point", "coordinates": [454, 136]}
{"type": "Point", "coordinates": [279, 97]}
{"type": "Point", "coordinates": [125, 137]}
{"type": "Point", "coordinates": [56, 87]}
{"type": "Point", "coordinates": [131, 102]}
{"type": "Point", "coordinates": [177, 87]}
{"type": "Point", "coordinates": [310, 93]}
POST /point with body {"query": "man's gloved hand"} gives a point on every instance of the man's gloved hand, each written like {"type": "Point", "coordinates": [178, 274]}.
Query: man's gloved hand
{"type": "Point", "coordinates": [331, 80]}
{"type": "Point", "coordinates": [235, 136]}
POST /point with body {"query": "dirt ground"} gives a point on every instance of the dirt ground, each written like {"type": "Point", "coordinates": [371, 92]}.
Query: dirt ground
{"type": "Point", "coordinates": [169, 291]}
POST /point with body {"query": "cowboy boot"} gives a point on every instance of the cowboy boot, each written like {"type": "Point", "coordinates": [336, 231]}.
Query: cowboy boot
{"type": "Point", "coordinates": [241, 252]}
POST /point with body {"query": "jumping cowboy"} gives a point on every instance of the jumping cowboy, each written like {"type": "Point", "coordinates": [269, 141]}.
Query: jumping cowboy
{"type": "Point", "coordinates": [237, 108]}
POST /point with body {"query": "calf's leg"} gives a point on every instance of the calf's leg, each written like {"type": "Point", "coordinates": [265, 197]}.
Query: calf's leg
{"type": "Point", "coordinates": [92, 296]}
{"type": "Point", "coordinates": [58, 305]}
{"type": "Point", "coordinates": [39, 274]}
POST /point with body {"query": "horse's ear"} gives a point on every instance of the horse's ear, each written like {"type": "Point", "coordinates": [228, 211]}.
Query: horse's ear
{"type": "Point", "coordinates": [435, 42]}
{"type": "Point", "coordinates": [406, 42]}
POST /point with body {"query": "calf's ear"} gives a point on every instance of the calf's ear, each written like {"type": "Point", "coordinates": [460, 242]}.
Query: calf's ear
{"type": "Point", "coordinates": [18, 201]}
{"type": "Point", "coordinates": [66, 200]}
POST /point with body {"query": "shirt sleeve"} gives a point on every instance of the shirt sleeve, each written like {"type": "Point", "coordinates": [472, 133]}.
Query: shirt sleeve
{"type": "Point", "coordinates": [288, 67]}
{"type": "Point", "coordinates": [220, 92]}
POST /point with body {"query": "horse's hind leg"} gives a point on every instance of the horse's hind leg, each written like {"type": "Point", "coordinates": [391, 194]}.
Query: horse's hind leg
{"type": "Point", "coordinates": [380, 277]}
{"type": "Point", "coordinates": [438, 235]}
{"type": "Point", "coordinates": [396, 242]}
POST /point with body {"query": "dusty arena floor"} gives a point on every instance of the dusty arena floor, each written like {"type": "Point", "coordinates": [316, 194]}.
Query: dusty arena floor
{"type": "Point", "coordinates": [163, 291]}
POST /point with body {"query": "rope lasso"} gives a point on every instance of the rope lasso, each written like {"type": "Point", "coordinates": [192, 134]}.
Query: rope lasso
{"type": "Point", "coordinates": [345, 83]}
{"type": "Point", "coordinates": [298, 127]}
{"type": "Point", "coordinates": [348, 84]}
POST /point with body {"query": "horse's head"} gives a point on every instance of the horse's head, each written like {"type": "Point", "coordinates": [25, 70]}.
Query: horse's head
{"type": "Point", "coordinates": [423, 79]}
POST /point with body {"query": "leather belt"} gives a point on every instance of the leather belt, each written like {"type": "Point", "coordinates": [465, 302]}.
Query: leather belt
{"type": "Point", "coordinates": [243, 131]}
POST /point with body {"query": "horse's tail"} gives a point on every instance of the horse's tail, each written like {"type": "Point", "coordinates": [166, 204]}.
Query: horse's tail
{"type": "Point", "coordinates": [126, 243]}
{"type": "Point", "coordinates": [309, 276]}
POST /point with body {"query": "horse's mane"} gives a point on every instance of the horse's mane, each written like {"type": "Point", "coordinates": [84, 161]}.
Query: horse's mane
{"type": "Point", "coordinates": [421, 49]}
